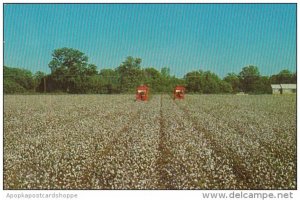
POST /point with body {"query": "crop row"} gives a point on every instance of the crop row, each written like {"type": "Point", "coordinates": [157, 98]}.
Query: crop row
{"type": "Point", "coordinates": [113, 142]}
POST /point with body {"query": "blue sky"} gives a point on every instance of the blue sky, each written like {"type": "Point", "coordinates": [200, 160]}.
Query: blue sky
{"type": "Point", "coordinates": [222, 38]}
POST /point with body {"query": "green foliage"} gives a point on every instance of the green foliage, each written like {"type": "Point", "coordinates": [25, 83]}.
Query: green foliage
{"type": "Point", "coordinates": [194, 82]}
{"type": "Point", "coordinates": [39, 81]}
{"type": "Point", "coordinates": [165, 72]}
{"type": "Point", "coordinates": [284, 76]}
{"type": "Point", "coordinates": [130, 74]}
{"type": "Point", "coordinates": [234, 81]}
{"type": "Point", "coordinates": [69, 68]}
{"type": "Point", "coordinates": [225, 87]}
{"type": "Point", "coordinates": [17, 80]}
{"type": "Point", "coordinates": [68, 60]}
{"type": "Point", "coordinates": [152, 78]}
{"type": "Point", "coordinates": [263, 86]}
{"type": "Point", "coordinates": [109, 81]}
{"type": "Point", "coordinates": [206, 82]}
{"type": "Point", "coordinates": [11, 87]}
{"type": "Point", "coordinates": [249, 76]}
{"type": "Point", "coordinates": [211, 83]}
{"type": "Point", "coordinates": [71, 72]}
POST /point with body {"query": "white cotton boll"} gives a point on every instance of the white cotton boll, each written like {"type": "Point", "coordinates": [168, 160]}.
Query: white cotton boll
{"type": "Point", "coordinates": [92, 141]}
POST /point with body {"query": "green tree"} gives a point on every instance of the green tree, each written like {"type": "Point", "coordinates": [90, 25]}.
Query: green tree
{"type": "Point", "coordinates": [211, 83]}
{"type": "Point", "coordinates": [11, 87]}
{"type": "Point", "coordinates": [206, 82]}
{"type": "Point", "coordinates": [294, 78]}
{"type": "Point", "coordinates": [166, 80]}
{"type": "Point", "coordinates": [90, 70]}
{"type": "Point", "coordinates": [39, 81]}
{"type": "Point", "coordinates": [130, 73]}
{"type": "Point", "coordinates": [165, 72]}
{"type": "Point", "coordinates": [234, 80]}
{"type": "Point", "coordinates": [17, 80]}
{"type": "Point", "coordinates": [263, 85]}
{"type": "Point", "coordinates": [109, 81]}
{"type": "Point", "coordinates": [69, 68]}
{"type": "Point", "coordinates": [225, 87]}
{"type": "Point", "coordinates": [284, 76]}
{"type": "Point", "coordinates": [152, 78]}
{"type": "Point", "coordinates": [248, 77]}
{"type": "Point", "coordinates": [194, 82]}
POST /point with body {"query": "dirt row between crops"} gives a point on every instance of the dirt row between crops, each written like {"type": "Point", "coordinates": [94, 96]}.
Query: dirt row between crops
{"type": "Point", "coordinates": [165, 155]}
{"type": "Point", "coordinates": [258, 167]}
{"type": "Point", "coordinates": [27, 165]}
{"type": "Point", "coordinates": [188, 159]}
{"type": "Point", "coordinates": [157, 148]}
{"type": "Point", "coordinates": [264, 144]}
{"type": "Point", "coordinates": [237, 164]}
{"type": "Point", "coordinates": [159, 144]}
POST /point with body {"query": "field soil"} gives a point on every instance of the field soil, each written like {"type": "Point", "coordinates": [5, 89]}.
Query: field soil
{"type": "Point", "coordinates": [114, 142]}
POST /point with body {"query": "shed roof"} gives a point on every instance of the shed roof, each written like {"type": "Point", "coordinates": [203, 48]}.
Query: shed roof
{"type": "Point", "coordinates": [275, 86]}
{"type": "Point", "coordinates": [284, 86]}
{"type": "Point", "coordinates": [288, 86]}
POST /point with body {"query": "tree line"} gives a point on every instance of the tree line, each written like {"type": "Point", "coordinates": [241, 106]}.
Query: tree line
{"type": "Point", "coordinates": [72, 73]}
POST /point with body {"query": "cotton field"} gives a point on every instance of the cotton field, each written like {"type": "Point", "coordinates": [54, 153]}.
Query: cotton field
{"type": "Point", "coordinates": [115, 142]}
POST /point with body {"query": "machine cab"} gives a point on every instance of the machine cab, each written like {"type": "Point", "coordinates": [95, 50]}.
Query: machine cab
{"type": "Point", "coordinates": [179, 92]}
{"type": "Point", "coordinates": [142, 93]}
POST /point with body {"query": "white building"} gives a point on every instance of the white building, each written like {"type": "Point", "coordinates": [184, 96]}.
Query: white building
{"type": "Point", "coordinates": [288, 88]}
{"type": "Point", "coordinates": [284, 88]}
